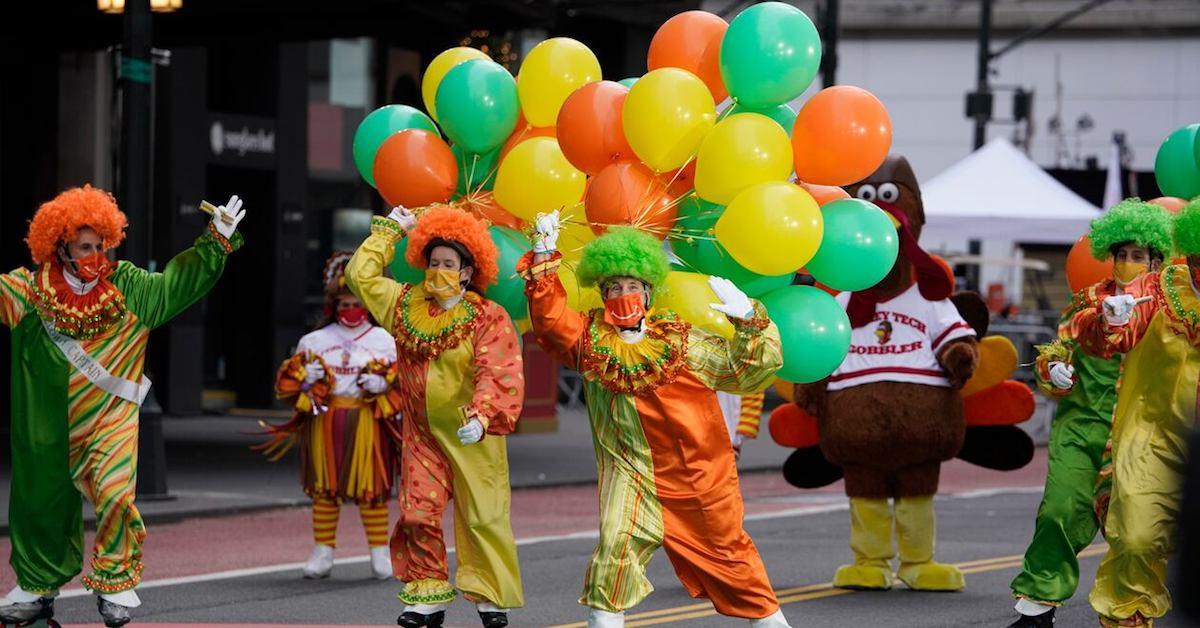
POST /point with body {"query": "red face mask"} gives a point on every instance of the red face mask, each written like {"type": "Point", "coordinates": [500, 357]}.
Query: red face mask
{"type": "Point", "coordinates": [625, 311]}
{"type": "Point", "coordinates": [352, 316]}
{"type": "Point", "coordinates": [92, 267]}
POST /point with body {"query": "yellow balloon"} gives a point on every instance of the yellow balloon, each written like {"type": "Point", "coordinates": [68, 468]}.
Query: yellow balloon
{"type": "Point", "coordinates": [666, 116]}
{"type": "Point", "coordinates": [579, 298]}
{"type": "Point", "coordinates": [742, 150]}
{"type": "Point", "coordinates": [535, 177]}
{"type": "Point", "coordinates": [574, 232]}
{"type": "Point", "coordinates": [550, 72]}
{"type": "Point", "coordinates": [688, 295]}
{"type": "Point", "coordinates": [771, 228]}
{"type": "Point", "coordinates": [437, 70]}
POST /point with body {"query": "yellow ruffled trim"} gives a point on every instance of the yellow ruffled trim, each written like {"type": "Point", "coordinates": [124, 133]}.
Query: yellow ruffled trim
{"type": "Point", "coordinates": [626, 368]}
{"type": "Point", "coordinates": [427, 335]}
{"type": "Point", "coordinates": [427, 591]}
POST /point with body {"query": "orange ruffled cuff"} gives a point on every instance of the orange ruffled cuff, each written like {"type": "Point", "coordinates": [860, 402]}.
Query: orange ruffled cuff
{"type": "Point", "coordinates": [386, 404]}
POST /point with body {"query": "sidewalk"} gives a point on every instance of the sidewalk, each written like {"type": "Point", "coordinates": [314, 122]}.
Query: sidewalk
{"type": "Point", "coordinates": [212, 471]}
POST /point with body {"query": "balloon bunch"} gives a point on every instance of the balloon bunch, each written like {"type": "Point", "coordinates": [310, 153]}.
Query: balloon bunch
{"type": "Point", "coordinates": [703, 151]}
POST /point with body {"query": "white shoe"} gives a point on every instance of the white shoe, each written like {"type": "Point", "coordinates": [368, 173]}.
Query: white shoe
{"type": "Point", "coordinates": [776, 620]}
{"type": "Point", "coordinates": [604, 619]}
{"type": "Point", "coordinates": [381, 563]}
{"type": "Point", "coordinates": [320, 563]}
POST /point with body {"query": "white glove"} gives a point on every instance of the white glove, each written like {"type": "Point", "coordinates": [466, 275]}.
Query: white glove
{"type": "Point", "coordinates": [404, 216]}
{"type": "Point", "coordinates": [225, 220]}
{"type": "Point", "coordinates": [547, 226]}
{"type": "Point", "coordinates": [734, 303]}
{"type": "Point", "coordinates": [372, 383]}
{"type": "Point", "coordinates": [1118, 309]}
{"type": "Point", "coordinates": [1062, 376]}
{"type": "Point", "coordinates": [313, 371]}
{"type": "Point", "coordinates": [470, 433]}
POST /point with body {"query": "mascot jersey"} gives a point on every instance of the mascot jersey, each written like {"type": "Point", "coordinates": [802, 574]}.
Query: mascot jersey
{"type": "Point", "coordinates": [901, 343]}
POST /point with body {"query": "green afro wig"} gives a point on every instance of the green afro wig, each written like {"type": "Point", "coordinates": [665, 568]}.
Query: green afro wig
{"type": "Point", "coordinates": [1187, 229]}
{"type": "Point", "coordinates": [623, 252]}
{"type": "Point", "coordinates": [1132, 220]}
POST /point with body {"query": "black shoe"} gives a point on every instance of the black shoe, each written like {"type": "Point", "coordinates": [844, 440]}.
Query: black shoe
{"type": "Point", "coordinates": [114, 614]}
{"type": "Point", "coordinates": [1045, 620]}
{"type": "Point", "coordinates": [25, 613]}
{"type": "Point", "coordinates": [493, 620]}
{"type": "Point", "coordinates": [411, 619]}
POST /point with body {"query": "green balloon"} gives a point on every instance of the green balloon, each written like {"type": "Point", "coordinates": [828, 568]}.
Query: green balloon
{"type": "Point", "coordinates": [1177, 165]}
{"type": "Point", "coordinates": [782, 114]}
{"type": "Point", "coordinates": [380, 125]}
{"type": "Point", "coordinates": [700, 252]}
{"type": "Point", "coordinates": [475, 172]}
{"type": "Point", "coordinates": [509, 291]}
{"type": "Point", "coordinates": [858, 248]}
{"type": "Point", "coordinates": [814, 329]}
{"type": "Point", "coordinates": [477, 105]}
{"type": "Point", "coordinates": [401, 271]}
{"type": "Point", "coordinates": [769, 55]}
{"type": "Point", "coordinates": [628, 82]}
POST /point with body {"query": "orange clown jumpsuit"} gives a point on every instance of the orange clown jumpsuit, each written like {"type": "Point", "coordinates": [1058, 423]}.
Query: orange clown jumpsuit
{"type": "Point", "coordinates": [467, 357]}
{"type": "Point", "coordinates": [667, 471]}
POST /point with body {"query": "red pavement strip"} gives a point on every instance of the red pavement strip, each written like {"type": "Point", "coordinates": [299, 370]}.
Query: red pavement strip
{"type": "Point", "coordinates": [281, 540]}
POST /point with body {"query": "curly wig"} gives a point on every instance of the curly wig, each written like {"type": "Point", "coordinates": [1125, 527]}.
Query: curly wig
{"type": "Point", "coordinates": [1132, 220]}
{"type": "Point", "coordinates": [457, 226]}
{"type": "Point", "coordinates": [623, 252]}
{"type": "Point", "coordinates": [1187, 229]}
{"type": "Point", "coordinates": [58, 220]}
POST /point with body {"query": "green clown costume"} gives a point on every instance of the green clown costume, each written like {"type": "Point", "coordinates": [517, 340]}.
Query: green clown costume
{"type": "Point", "coordinates": [1068, 519]}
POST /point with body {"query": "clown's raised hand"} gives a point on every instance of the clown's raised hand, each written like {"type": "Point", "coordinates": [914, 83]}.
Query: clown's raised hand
{"type": "Point", "coordinates": [734, 303]}
{"type": "Point", "coordinates": [226, 218]}
{"type": "Point", "coordinates": [404, 216]}
{"type": "Point", "coordinates": [546, 227]}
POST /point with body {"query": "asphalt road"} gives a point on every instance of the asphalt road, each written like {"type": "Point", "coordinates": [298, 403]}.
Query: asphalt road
{"type": "Point", "coordinates": [985, 532]}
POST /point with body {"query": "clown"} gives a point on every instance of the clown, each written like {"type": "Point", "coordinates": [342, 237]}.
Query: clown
{"type": "Point", "coordinates": [1136, 236]}
{"type": "Point", "coordinates": [1155, 322]}
{"type": "Point", "coordinates": [79, 326]}
{"type": "Point", "coordinates": [342, 381]}
{"type": "Point", "coordinates": [460, 374]}
{"type": "Point", "coordinates": [667, 474]}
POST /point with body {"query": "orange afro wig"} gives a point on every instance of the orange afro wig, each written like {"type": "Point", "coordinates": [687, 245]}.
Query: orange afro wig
{"type": "Point", "coordinates": [60, 219]}
{"type": "Point", "coordinates": [442, 222]}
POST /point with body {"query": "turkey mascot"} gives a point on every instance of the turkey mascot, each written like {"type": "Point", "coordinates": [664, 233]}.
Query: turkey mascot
{"type": "Point", "coordinates": [896, 408]}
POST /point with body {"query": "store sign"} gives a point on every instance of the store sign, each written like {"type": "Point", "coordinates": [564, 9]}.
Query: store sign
{"type": "Point", "coordinates": [242, 141]}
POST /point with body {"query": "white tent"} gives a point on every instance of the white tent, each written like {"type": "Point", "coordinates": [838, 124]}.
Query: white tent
{"type": "Point", "coordinates": [997, 194]}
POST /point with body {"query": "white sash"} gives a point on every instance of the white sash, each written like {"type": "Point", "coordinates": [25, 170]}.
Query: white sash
{"type": "Point", "coordinates": [94, 371]}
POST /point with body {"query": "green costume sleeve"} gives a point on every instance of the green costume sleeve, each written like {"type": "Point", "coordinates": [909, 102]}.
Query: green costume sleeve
{"type": "Point", "coordinates": [156, 298]}
{"type": "Point", "coordinates": [14, 296]}
{"type": "Point", "coordinates": [744, 365]}
{"type": "Point", "coordinates": [364, 271]}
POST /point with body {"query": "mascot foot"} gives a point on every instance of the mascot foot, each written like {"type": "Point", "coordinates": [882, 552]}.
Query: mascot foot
{"type": "Point", "coordinates": [931, 576]}
{"type": "Point", "coordinates": [863, 577]}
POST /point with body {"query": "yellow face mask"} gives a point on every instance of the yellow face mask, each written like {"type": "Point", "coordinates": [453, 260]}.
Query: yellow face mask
{"type": "Point", "coordinates": [1126, 272]}
{"type": "Point", "coordinates": [442, 283]}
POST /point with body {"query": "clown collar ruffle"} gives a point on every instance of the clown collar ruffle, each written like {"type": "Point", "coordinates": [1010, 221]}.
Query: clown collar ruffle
{"type": "Point", "coordinates": [80, 316]}
{"type": "Point", "coordinates": [625, 368]}
{"type": "Point", "coordinates": [424, 330]}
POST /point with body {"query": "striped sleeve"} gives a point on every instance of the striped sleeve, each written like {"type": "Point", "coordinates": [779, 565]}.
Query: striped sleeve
{"type": "Point", "coordinates": [15, 289]}
{"type": "Point", "coordinates": [743, 365]}
{"type": "Point", "coordinates": [751, 416]}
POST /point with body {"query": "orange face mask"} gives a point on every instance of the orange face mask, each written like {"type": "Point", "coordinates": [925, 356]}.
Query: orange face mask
{"type": "Point", "coordinates": [92, 267]}
{"type": "Point", "coordinates": [625, 311]}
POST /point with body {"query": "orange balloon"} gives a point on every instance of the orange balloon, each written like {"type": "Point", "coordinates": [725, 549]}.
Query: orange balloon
{"type": "Point", "coordinates": [1169, 203]}
{"type": "Point", "coordinates": [691, 41]}
{"type": "Point", "coordinates": [1084, 270]}
{"type": "Point", "coordinates": [681, 178]}
{"type": "Point", "coordinates": [590, 133]}
{"type": "Point", "coordinates": [627, 192]}
{"type": "Point", "coordinates": [824, 193]}
{"type": "Point", "coordinates": [415, 168]}
{"type": "Point", "coordinates": [484, 205]}
{"type": "Point", "coordinates": [841, 135]}
{"type": "Point", "coordinates": [785, 389]}
{"type": "Point", "coordinates": [791, 426]}
{"type": "Point", "coordinates": [524, 132]}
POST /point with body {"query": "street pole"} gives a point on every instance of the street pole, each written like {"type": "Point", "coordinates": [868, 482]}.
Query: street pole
{"type": "Point", "coordinates": [981, 74]}
{"type": "Point", "coordinates": [829, 28]}
{"type": "Point", "coordinates": [136, 75]}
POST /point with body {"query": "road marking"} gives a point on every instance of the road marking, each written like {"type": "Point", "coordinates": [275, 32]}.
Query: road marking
{"type": "Point", "coordinates": [813, 592]}
{"type": "Point", "coordinates": [593, 533]}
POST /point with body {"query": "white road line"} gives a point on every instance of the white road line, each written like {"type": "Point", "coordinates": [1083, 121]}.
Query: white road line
{"type": "Point", "coordinates": [532, 540]}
